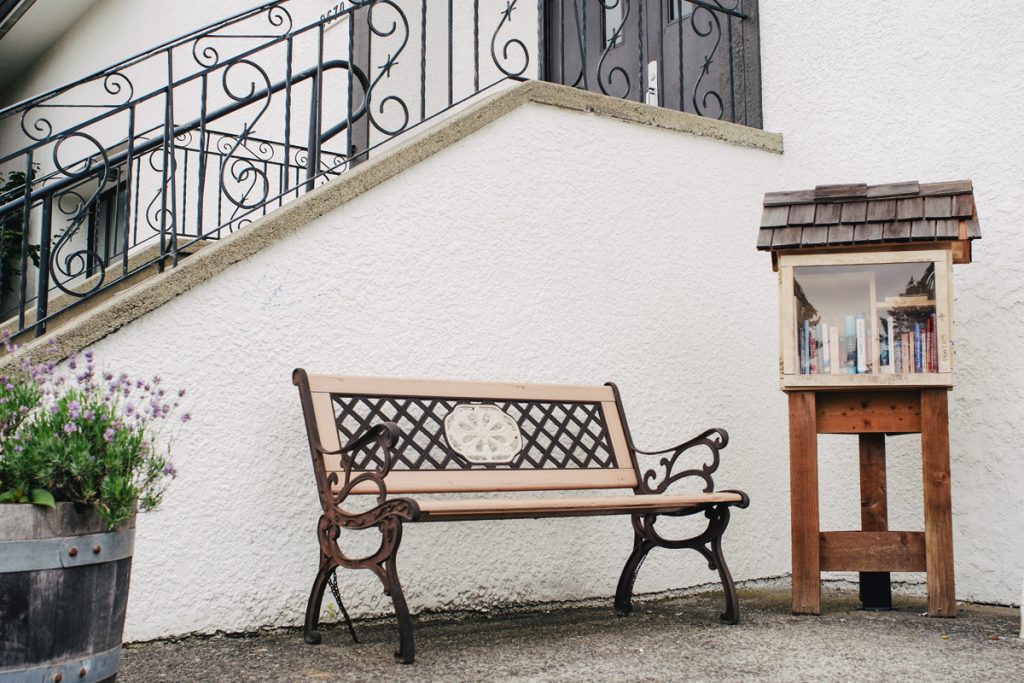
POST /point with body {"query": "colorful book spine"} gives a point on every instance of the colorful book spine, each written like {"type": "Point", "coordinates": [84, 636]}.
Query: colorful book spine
{"type": "Point", "coordinates": [812, 352]}
{"type": "Point", "coordinates": [838, 367]}
{"type": "Point", "coordinates": [918, 348]}
{"type": "Point", "coordinates": [850, 345]}
{"type": "Point", "coordinates": [934, 343]}
{"type": "Point", "coordinates": [826, 356]}
{"type": "Point", "coordinates": [892, 338]}
{"type": "Point", "coordinates": [862, 345]}
{"type": "Point", "coordinates": [908, 352]}
{"type": "Point", "coordinates": [805, 359]}
{"type": "Point", "coordinates": [883, 345]}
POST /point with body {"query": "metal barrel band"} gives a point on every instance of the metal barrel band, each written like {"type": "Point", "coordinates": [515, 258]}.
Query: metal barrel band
{"type": "Point", "coordinates": [98, 667]}
{"type": "Point", "coordinates": [66, 551]}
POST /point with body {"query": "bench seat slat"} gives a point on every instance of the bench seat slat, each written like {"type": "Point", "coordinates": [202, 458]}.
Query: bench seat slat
{"type": "Point", "coordinates": [508, 508]}
{"type": "Point", "coordinates": [378, 386]}
{"type": "Point", "coordinates": [481, 481]}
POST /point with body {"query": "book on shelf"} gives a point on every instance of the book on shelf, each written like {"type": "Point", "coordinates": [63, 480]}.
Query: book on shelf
{"type": "Point", "coordinates": [885, 345]}
{"type": "Point", "coordinates": [838, 367]}
{"type": "Point", "coordinates": [918, 348]}
{"type": "Point", "coordinates": [849, 345]}
{"type": "Point", "coordinates": [862, 345]}
{"type": "Point", "coordinates": [826, 358]}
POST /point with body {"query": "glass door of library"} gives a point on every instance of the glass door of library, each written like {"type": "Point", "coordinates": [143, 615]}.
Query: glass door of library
{"type": "Point", "coordinates": [682, 55]}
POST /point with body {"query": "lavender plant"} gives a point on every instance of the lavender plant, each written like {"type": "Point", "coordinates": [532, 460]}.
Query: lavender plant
{"type": "Point", "coordinates": [85, 438]}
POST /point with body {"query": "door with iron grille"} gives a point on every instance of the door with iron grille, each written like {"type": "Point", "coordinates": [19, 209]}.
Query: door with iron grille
{"type": "Point", "coordinates": [698, 56]}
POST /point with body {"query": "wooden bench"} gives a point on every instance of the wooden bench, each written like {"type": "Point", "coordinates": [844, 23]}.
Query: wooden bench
{"type": "Point", "coordinates": [382, 437]}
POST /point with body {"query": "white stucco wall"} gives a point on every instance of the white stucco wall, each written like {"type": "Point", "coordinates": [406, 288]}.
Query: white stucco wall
{"type": "Point", "coordinates": [925, 91]}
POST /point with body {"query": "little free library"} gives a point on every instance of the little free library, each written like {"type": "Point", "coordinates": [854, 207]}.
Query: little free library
{"type": "Point", "coordinates": [865, 343]}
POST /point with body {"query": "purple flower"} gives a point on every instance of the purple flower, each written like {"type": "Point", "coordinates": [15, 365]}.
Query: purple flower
{"type": "Point", "coordinates": [73, 363]}
{"type": "Point", "coordinates": [8, 386]}
{"type": "Point", "coordinates": [88, 355]}
{"type": "Point", "coordinates": [129, 410]}
{"type": "Point", "coordinates": [70, 428]}
{"type": "Point", "coordinates": [186, 417]}
{"type": "Point", "coordinates": [170, 471]}
{"type": "Point", "coordinates": [109, 435]}
{"type": "Point", "coordinates": [53, 409]}
{"type": "Point", "coordinates": [74, 409]}
{"type": "Point", "coordinates": [181, 392]}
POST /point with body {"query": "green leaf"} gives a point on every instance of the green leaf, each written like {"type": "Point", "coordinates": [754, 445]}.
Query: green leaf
{"type": "Point", "coordinates": [43, 497]}
{"type": "Point", "coordinates": [9, 496]}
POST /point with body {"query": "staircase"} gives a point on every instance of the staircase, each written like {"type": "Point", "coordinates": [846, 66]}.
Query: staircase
{"type": "Point", "coordinates": [125, 172]}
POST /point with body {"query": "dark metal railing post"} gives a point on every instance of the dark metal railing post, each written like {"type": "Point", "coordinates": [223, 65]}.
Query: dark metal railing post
{"type": "Point", "coordinates": [169, 134]}
{"type": "Point", "coordinates": [315, 114]}
{"type": "Point", "coordinates": [43, 276]}
{"type": "Point", "coordinates": [129, 177]}
{"type": "Point", "coordinates": [26, 217]}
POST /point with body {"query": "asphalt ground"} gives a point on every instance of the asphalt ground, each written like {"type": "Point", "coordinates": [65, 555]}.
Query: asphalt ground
{"type": "Point", "coordinates": [665, 639]}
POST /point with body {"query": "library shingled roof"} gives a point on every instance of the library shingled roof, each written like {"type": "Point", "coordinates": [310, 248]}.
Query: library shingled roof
{"type": "Point", "coordinates": [837, 215]}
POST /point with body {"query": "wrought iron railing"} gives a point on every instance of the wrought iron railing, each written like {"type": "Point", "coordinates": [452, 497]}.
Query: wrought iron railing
{"type": "Point", "coordinates": [126, 169]}
{"type": "Point", "coordinates": [698, 56]}
{"type": "Point", "coordinates": [201, 135]}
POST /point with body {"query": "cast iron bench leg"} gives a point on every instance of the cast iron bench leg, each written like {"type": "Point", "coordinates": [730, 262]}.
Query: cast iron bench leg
{"type": "Point", "coordinates": [645, 539]}
{"type": "Point", "coordinates": [732, 602]}
{"type": "Point", "coordinates": [624, 592]}
{"type": "Point", "coordinates": [309, 631]}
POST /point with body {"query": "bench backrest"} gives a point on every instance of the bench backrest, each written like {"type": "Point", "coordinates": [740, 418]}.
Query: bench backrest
{"type": "Point", "coordinates": [472, 436]}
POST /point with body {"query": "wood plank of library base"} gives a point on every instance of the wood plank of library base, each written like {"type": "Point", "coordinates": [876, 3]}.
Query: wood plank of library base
{"type": "Point", "coordinates": [874, 503]}
{"type": "Point", "coordinates": [858, 412]}
{"type": "Point", "coordinates": [872, 551]}
{"type": "Point", "coordinates": [938, 513]}
{"type": "Point", "coordinates": [803, 487]}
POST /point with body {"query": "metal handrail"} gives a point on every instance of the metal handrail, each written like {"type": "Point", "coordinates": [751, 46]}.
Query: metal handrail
{"type": "Point", "coordinates": [134, 59]}
{"type": "Point", "coordinates": [127, 170]}
{"type": "Point", "coordinates": [89, 203]}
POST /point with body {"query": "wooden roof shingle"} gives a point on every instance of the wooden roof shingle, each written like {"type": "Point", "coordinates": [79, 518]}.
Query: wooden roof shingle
{"type": "Point", "coordinates": [855, 214]}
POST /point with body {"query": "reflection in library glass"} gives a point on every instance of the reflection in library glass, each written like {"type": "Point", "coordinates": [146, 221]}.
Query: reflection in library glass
{"type": "Point", "coordinates": [866, 319]}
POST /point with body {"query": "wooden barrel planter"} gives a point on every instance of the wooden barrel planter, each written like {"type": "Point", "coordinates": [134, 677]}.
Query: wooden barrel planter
{"type": "Point", "coordinates": [63, 592]}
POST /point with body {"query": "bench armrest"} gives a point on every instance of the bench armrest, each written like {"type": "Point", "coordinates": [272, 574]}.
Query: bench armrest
{"type": "Point", "coordinates": [385, 435]}
{"type": "Point", "coordinates": [713, 439]}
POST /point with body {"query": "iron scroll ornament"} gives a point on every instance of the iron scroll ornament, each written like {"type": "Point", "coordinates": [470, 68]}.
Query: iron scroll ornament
{"type": "Point", "coordinates": [384, 71]}
{"type": "Point", "coordinates": [205, 53]}
{"type": "Point", "coordinates": [715, 439]}
{"type": "Point", "coordinates": [66, 267]}
{"type": "Point", "coordinates": [612, 41]}
{"type": "Point", "coordinates": [519, 45]}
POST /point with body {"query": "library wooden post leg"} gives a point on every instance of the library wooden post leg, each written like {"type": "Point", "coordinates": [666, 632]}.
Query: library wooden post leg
{"type": "Point", "coordinates": [938, 515]}
{"type": "Point", "coordinates": [803, 487]}
{"type": "Point", "coordinates": [875, 587]}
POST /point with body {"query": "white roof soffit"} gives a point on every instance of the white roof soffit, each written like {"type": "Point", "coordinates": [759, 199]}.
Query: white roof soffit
{"type": "Point", "coordinates": [28, 28]}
